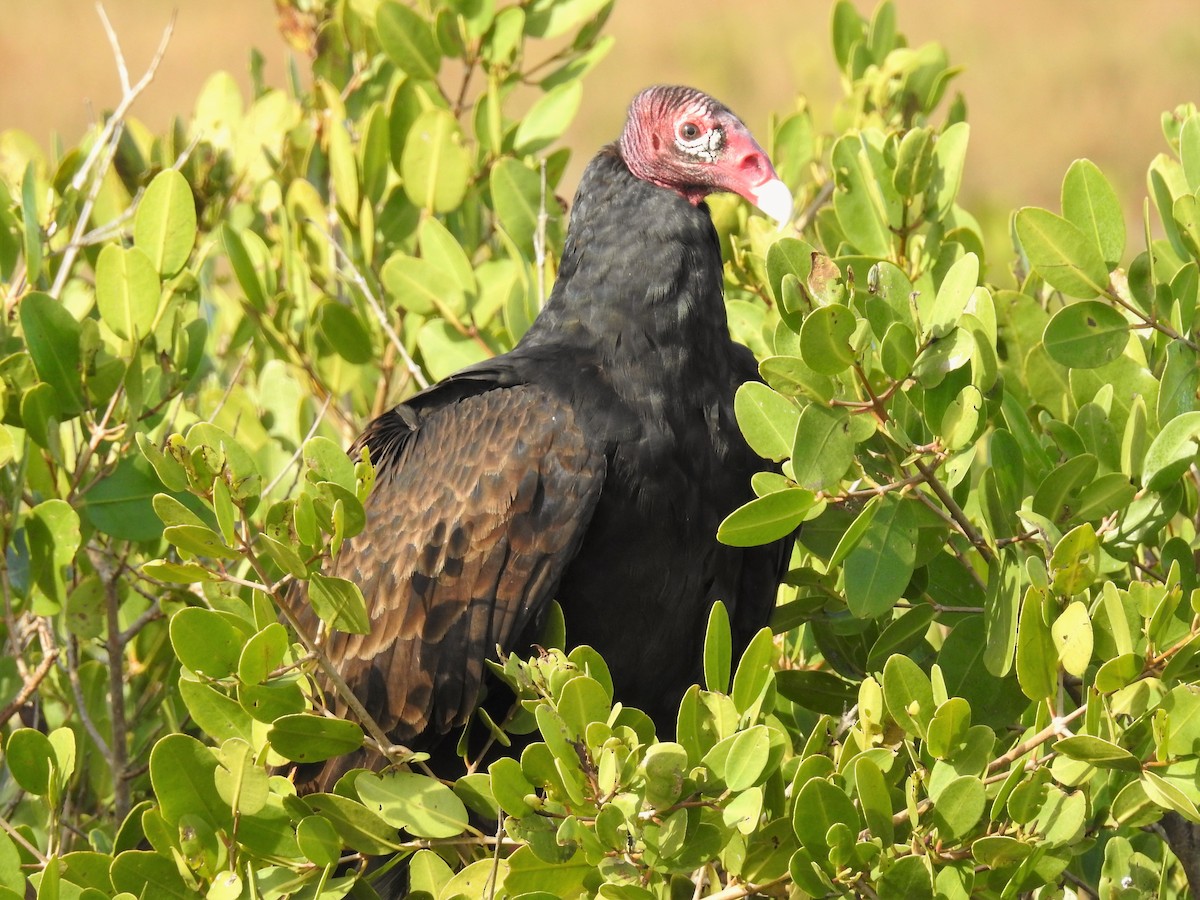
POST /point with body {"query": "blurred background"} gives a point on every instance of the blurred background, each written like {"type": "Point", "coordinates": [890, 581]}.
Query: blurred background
{"type": "Point", "coordinates": [1045, 83]}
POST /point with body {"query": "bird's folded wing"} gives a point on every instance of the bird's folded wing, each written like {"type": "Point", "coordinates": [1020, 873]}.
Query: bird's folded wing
{"type": "Point", "coordinates": [479, 505]}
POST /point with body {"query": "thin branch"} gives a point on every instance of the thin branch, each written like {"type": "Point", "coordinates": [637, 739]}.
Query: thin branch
{"type": "Point", "coordinates": [274, 482]}
{"type": "Point", "coordinates": [1057, 727]}
{"type": "Point", "coordinates": [116, 687]}
{"type": "Point", "coordinates": [823, 196]}
{"type": "Point", "coordinates": [106, 142]}
{"type": "Point", "coordinates": [80, 704]}
{"type": "Point", "coordinates": [361, 283]}
{"type": "Point", "coordinates": [30, 687]}
{"type": "Point", "coordinates": [737, 891]}
{"type": "Point", "coordinates": [956, 512]}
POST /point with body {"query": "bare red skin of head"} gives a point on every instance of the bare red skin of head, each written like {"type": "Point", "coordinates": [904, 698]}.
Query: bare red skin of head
{"type": "Point", "coordinates": [650, 149]}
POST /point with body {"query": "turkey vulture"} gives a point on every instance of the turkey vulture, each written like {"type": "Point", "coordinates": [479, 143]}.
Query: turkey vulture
{"type": "Point", "coordinates": [591, 464]}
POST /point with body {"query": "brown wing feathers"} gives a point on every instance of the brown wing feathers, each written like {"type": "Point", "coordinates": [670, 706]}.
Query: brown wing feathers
{"type": "Point", "coordinates": [474, 516]}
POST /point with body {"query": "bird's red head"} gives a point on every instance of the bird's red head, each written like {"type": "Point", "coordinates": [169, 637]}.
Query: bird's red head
{"type": "Point", "coordinates": [682, 139]}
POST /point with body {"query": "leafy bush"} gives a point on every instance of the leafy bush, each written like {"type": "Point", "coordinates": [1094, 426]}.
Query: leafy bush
{"type": "Point", "coordinates": [981, 678]}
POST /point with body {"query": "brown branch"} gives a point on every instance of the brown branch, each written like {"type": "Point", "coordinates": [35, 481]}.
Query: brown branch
{"type": "Point", "coordinates": [31, 685]}
{"type": "Point", "coordinates": [956, 512]}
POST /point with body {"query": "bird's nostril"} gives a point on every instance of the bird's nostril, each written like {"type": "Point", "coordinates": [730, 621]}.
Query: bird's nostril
{"type": "Point", "coordinates": [753, 163]}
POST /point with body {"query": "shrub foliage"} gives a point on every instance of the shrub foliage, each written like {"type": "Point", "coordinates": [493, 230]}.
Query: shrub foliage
{"type": "Point", "coordinates": [981, 677]}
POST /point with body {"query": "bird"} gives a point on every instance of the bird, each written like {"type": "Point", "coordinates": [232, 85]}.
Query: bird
{"type": "Point", "coordinates": [591, 464]}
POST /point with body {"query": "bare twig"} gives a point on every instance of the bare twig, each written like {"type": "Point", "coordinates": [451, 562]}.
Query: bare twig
{"type": "Point", "coordinates": [737, 891]}
{"type": "Point", "coordinates": [106, 142]}
{"type": "Point", "coordinates": [380, 313]}
{"type": "Point", "coordinates": [32, 680]}
{"type": "Point", "coordinates": [823, 196]}
{"type": "Point", "coordinates": [956, 512]}
{"type": "Point", "coordinates": [1057, 727]}
{"type": "Point", "coordinates": [80, 703]}
{"type": "Point", "coordinates": [274, 482]}
{"type": "Point", "coordinates": [116, 688]}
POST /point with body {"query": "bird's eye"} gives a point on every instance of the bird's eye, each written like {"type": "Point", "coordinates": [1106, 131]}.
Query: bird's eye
{"type": "Point", "coordinates": [689, 131]}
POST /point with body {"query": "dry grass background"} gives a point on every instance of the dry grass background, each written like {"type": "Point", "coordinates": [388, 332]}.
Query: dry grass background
{"type": "Point", "coordinates": [1045, 82]}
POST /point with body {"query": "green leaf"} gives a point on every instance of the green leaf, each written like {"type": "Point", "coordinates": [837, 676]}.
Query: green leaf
{"type": "Point", "coordinates": [216, 713]}
{"type": "Point", "coordinates": [748, 757]}
{"type": "Point", "coordinates": [1180, 381]}
{"type": "Point", "coordinates": [718, 649]}
{"type": "Point", "coordinates": [825, 339]}
{"type": "Point", "coordinates": [445, 350]}
{"type": "Point", "coordinates": [1072, 633]}
{"type": "Point", "coordinates": [510, 787]}
{"type": "Point", "coordinates": [1090, 203]}
{"type": "Point", "coordinates": [1037, 657]}
{"type": "Point", "coordinates": [1086, 335]}
{"type": "Point", "coordinates": [953, 295]}
{"type": "Point", "coordinates": [820, 805]}
{"type": "Point", "coordinates": [145, 873]}
{"type": "Point", "coordinates": [240, 781]}
{"type": "Point", "coordinates": [551, 18]}
{"type": "Point", "coordinates": [960, 422]}
{"type": "Point", "coordinates": [914, 163]}
{"type": "Point", "coordinates": [767, 420]}
{"type": "Point", "coordinates": [443, 250]}
{"type": "Point", "coordinates": [310, 738]}
{"type": "Point", "coordinates": [534, 878]}
{"type": "Point", "coordinates": [1075, 564]}
{"type": "Point", "coordinates": [435, 166]}
{"type": "Point", "coordinates": [421, 287]}
{"type": "Point", "coordinates": [1171, 452]}
{"type": "Point", "coordinates": [182, 771]}
{"type": "Point", "coordinates": [121, 504]}
{"type": "Point", "coordinates": [754, 670]}
{"type": "Point", "coordinates": [318, 840]}
{"type": "Point", "coordinates": [813, 689]}
{"type": "Point", "coordinates": [421, 805]}
{"type": "Point", "coordinates": [949, 726]}
{"type": "Point", "coordinates": [665, 765]}
{"type": "Point", "coordinates": [1098, 752]}
{"type": "Point", "coordinates": [959, 807]}
{"type": "Point", "coordinates": [824, 448]}
{"type": "Point", "coordinates": [908, 878]}
{"type": "Point", "coordinates": [873, 799]}
{"type": "Point", "coordinates": [339, 603]}
{"type": "Point", "coordinates": [327, 461]}
{"type": "Point", "coordinates": [178, 573]}
{"type": "Point", "coordinates": [206, 641]}
{"type": "Point", "coordinates": [857, 201]}
{"type": "Point", "coordinates": [408, 40]}
{"type": "Point", "coordinates": [880, 566]}
{"type": "Point", "coordinates": [127, 290]}
{"type": "Point", "coordinates": [164, 227]}
{"type": "Point", "coordinates": [583, 700]}
{"type": "Point", "coordinates": [517, 196]}
{"type": "Point", "coordinates": [1061, 253]}
{"type": "Point", "coordinates": [262, 654]}
{"type": "Point", "coordinates": [908, 694]}
{"type": "Point", "coordinates": [345, 332]}
{"type": "Point", "coordinates": [765, 519]}
{"type": "Point", "coordinates": [52, 338]}
{"type": "Point", "coordinates": [245, 268]}
{"type": "Point", "coordinates": [548, 118]}
{"type": "Point", "coordinates": [30, 759]}
{"type": "Point", "coordinates": [199, 540]}
{"type": "Point", "coordinates": [950, 156]}
{"type": "Point", "coordinates": [52, 535]}
{"type": "Point", "coordinates": [359, 828]}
